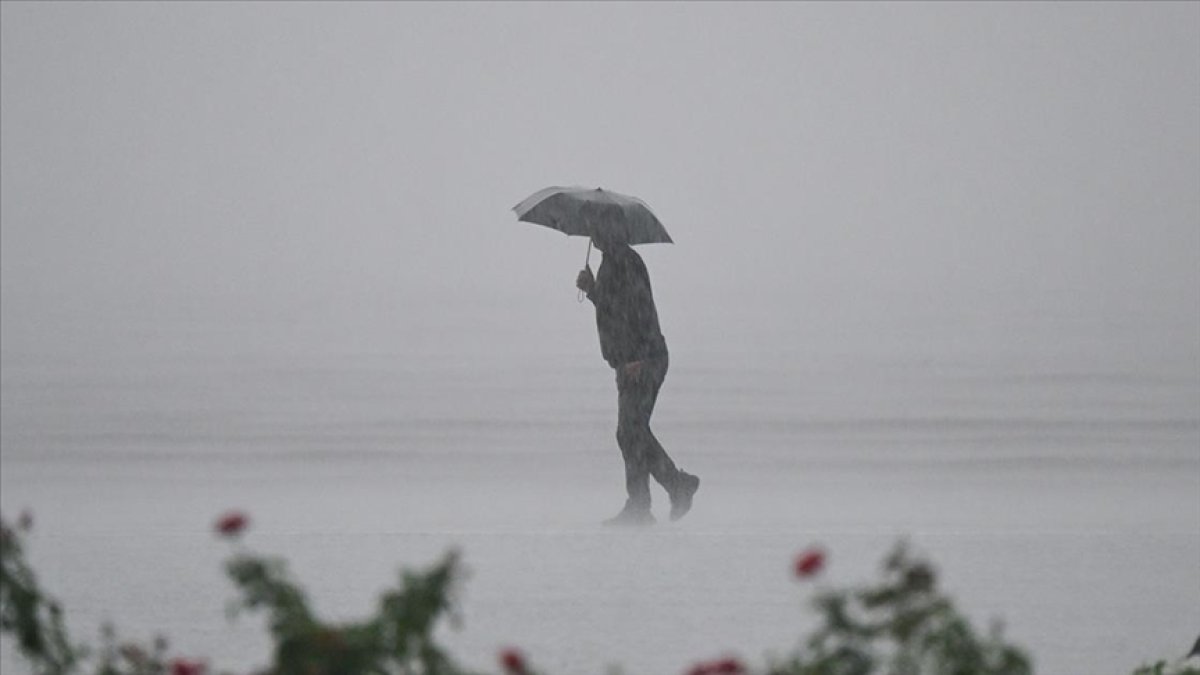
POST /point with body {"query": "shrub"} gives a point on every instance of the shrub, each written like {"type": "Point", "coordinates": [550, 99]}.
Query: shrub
{"type": "Point", "coordinates": [900, 625]}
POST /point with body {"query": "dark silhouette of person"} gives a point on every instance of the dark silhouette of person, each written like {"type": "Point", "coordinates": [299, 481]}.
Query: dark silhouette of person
{"type": "Point", "coordinates": [632, 343]}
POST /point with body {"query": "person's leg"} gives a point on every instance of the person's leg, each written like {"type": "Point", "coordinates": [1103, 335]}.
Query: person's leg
{"type": "Point", "coordinates": [637, 473]}
{"type": "Point", "coordinates": [680, 485]}
{"type": "Point", "coordinates": [643, 454]}
{"type": "Point", "coordinates": [657, 461]}
{"type": "Point", "coordinates": [630, 406]}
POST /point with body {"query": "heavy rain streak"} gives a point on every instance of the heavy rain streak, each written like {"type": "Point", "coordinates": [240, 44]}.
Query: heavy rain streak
{"type": "Point", "coordinates": [666, 317]}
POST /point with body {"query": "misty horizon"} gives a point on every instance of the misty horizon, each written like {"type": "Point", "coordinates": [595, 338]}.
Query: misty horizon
{"type": "Point", "coordinates": [809, 159]}
{"type": "Point", "coordinates": [936, 274]}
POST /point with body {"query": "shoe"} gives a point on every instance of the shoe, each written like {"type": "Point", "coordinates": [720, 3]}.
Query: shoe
{"type": "Point", "coordinates": [681, 496]}
{"type": "Point", "coordinates": [632, 516]}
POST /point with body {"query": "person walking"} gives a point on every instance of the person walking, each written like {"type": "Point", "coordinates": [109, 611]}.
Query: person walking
{"type": "Point", "coordinates": [633, 345]}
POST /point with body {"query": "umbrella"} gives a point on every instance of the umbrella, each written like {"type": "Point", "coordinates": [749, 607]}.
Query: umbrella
{"type": "Point", "coordinates": [585, 212]}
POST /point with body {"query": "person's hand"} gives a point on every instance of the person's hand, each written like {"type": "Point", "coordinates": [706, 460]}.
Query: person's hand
{"type": "Point", "coordinates": [585, 281]}
{"type": "Point", "coordinates": [633, 369]}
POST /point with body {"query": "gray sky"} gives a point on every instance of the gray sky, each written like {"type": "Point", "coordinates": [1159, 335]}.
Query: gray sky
{"type": "Point", "coordinates": [805, 157]}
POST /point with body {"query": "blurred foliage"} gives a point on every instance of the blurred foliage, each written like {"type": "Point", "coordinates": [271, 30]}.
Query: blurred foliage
{"type": "Point", "coordinates": [901, 625]}
{"type": "Point", "coordinates": [1164, 668]}
{"type": "Point", "coordinates": [398, 639]}
{"type": "Point", "coordinates": [36, 621]}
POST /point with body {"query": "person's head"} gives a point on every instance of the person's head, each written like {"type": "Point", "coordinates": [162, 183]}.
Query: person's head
{"type": "Point", "coordinates": [606, 244]}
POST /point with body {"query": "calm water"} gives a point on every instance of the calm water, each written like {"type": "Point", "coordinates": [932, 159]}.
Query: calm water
{"type": "Point", "coordinates": [1049, 464]}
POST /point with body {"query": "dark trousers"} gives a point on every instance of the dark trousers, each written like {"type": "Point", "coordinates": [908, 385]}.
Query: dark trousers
{"type": "Point", "coordinates": [644, 455]}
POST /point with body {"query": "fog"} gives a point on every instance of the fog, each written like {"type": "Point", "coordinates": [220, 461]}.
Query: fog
{"type": "Point", "coordinates": [936, 273]}
{"type": "Point", "coordinates": [810, 160]}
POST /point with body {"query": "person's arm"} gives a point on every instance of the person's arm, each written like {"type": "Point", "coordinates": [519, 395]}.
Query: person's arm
{"type": "Point", "coordinates": [602, 289]}
{"type": "Point", "coordinates": [586, 283]}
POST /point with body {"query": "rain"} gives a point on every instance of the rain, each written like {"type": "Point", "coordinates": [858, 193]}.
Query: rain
{"type": "Point", "coordinates": [934, 276]}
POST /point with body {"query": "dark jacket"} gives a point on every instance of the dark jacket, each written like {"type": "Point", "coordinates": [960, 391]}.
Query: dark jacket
{"type": "Point", "coordinates": [625, 315]}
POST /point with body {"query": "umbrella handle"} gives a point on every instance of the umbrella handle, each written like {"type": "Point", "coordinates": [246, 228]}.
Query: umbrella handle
{"type": "Point", "coordinates": [581, 295]}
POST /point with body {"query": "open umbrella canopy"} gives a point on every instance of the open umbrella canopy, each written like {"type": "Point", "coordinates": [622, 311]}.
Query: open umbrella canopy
{"type": "Point", "coordinates": [585, 212]}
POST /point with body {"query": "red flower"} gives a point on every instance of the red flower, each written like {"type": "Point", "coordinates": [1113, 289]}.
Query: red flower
{"type": "Point", "coordinates": [231, 524]}
{"type": "Point", "coordinates": [727, 666]}
{"type": "Point", "coordinates": [810, 562]}
{"type": "Point", "coordinates": [513, 661]}
{"type": "Point", "coordinates": [186, 667]}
